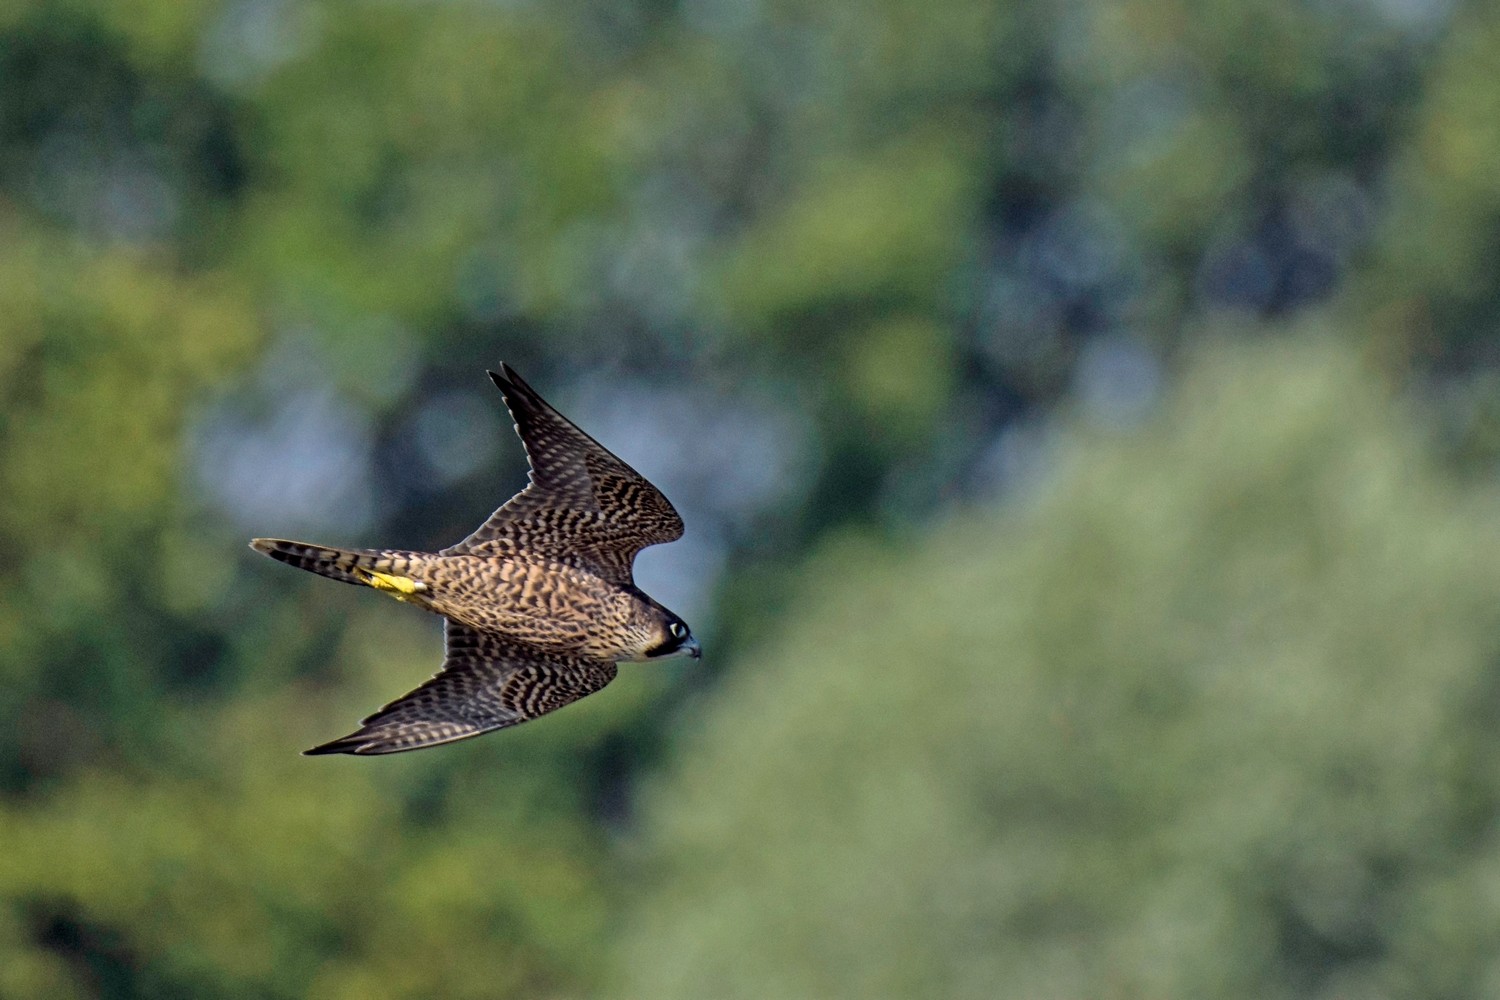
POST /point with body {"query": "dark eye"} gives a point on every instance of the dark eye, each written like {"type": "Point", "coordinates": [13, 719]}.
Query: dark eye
{"type": "Point", "coordinates": [678, 630]}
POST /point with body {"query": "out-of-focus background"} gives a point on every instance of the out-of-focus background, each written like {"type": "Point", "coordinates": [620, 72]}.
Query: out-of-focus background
{"type": "Point", "coordinates": [1086, 417]}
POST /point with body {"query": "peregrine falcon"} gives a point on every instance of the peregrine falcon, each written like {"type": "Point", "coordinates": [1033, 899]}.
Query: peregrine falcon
{"type": "Point", "coordinates": [539, 603]}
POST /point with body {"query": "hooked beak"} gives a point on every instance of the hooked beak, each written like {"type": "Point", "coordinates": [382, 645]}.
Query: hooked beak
{"type": "Point", "coordinates": [689, 647]}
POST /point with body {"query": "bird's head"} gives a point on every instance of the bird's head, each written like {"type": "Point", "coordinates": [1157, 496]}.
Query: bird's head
{"type": "Point", "coordinates": [654, 633]}
{"type": "Point", "coordinates": [674, 639]}
{"type": "Point", "coordinates": [651, 632]}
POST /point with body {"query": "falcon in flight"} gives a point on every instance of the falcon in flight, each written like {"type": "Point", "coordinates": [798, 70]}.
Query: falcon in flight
{"type": "Point", "coordinates": [539, 604]}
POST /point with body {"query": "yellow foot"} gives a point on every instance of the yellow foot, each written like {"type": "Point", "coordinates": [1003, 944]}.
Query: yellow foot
{"type": "Point", "coordinates": [402, 588]}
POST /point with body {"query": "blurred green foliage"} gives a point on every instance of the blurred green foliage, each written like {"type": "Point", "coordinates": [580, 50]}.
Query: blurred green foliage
{"type": "Point", "coordinates": [1211, 715]}
{"type": "Point", "coordinates": [1199, 711]}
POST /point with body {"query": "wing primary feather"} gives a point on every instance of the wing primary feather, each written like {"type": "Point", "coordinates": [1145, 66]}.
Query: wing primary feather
{"type": "Point", "coordinates": [582, 504]}
{"type": "Point", "coordinates": [487, 682]}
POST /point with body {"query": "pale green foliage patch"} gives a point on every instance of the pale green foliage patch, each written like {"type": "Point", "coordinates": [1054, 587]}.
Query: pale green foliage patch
{"type": "Point", "coordinates": [1209, 716]}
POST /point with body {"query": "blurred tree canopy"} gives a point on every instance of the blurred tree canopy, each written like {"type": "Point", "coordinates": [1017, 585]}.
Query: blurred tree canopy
{"type": "Point", "coordinates": [816, 269]}
{"type": "Point", "coordinates": [1211, 716]}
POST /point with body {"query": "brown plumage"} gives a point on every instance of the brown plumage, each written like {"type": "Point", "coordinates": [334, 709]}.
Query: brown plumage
{"type": "Point", "coordinates": [539, 602]}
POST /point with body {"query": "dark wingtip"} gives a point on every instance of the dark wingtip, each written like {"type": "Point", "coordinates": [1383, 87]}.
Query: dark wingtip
{"type": "Point", "coordinates": [506, 376]}
{"type": "Point", "coordinates": [343, 745]}
{"type": "Point", "coordinates": [509, 382]}
{"type": "Point", "coordinates": [513, 386]}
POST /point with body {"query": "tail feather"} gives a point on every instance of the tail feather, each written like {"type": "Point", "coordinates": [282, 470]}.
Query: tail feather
{"type": "Point", "coordinates": [344, 565]}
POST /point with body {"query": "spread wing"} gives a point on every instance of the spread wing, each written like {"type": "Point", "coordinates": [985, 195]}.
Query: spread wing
{"type": "Point", "coordinates": [487, 682]}
{"type": "Point", "coordinates": [583, 505]}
